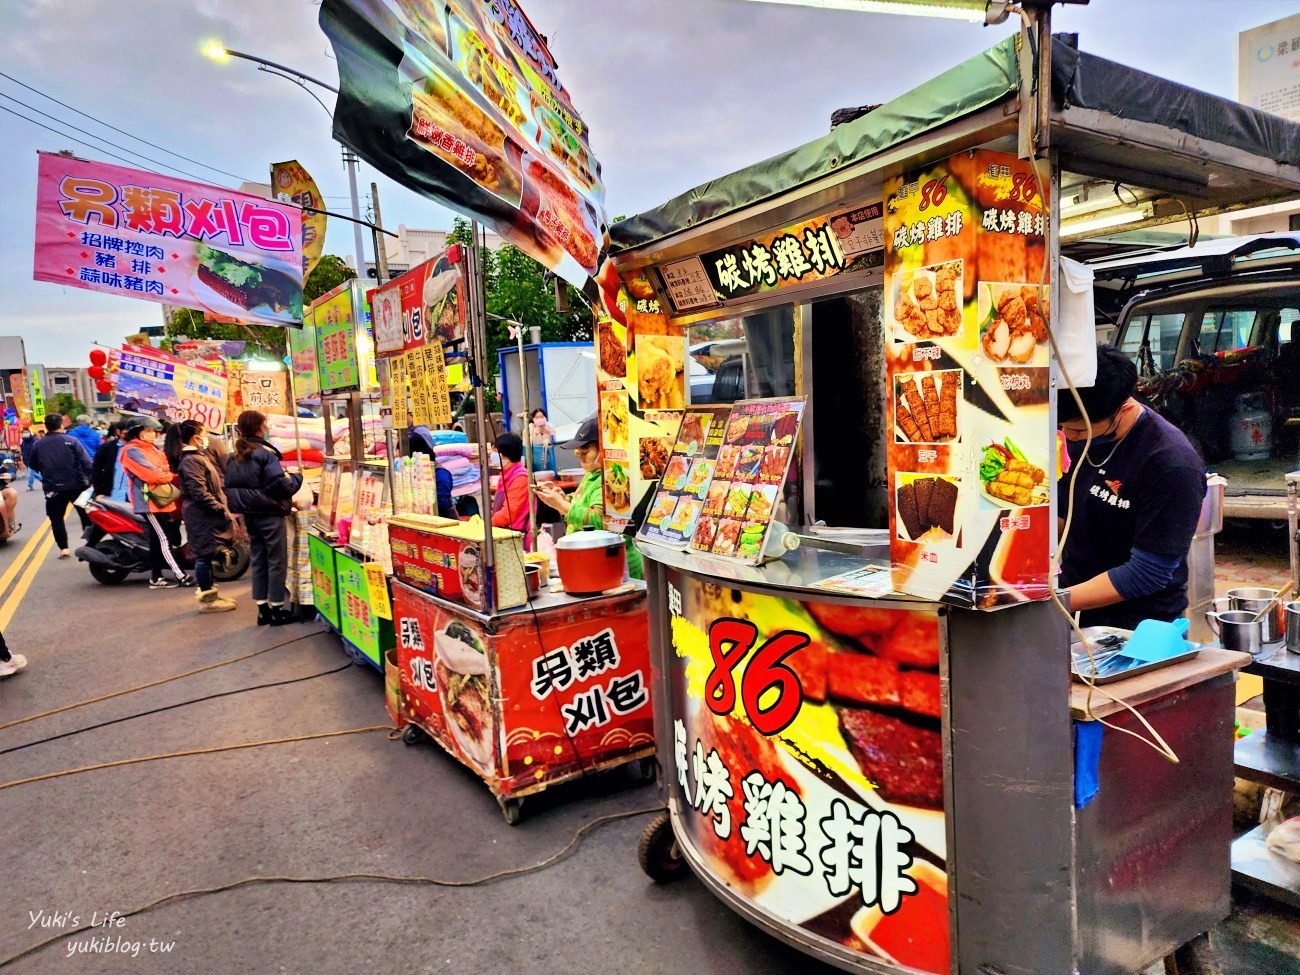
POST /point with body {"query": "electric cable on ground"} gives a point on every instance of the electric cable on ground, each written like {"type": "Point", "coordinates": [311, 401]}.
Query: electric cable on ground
{"type": "Point", "coordinates": [109, 125]}
{"type": "Point", "coordinates": [178, 704]}
{"type": "Point", "coordinates": [555, 858]}
{"type": "Point", "coordinates": [192, 751]}
{"type": "Point", "coordinates": [164, 680]}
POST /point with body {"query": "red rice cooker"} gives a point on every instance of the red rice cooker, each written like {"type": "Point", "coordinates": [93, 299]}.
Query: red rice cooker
{"type": "Point", "coordinates": [590, 561]}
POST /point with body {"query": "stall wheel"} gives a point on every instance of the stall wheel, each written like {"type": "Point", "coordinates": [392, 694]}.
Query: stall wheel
{"type": "Point", "coordinates": [648, 768]}
{"type": "Point", "coordinates": [412, 734]}
{"type": "Point", "coordinates": [511, 809]}
{"type": "Point", "coordinates": [659, 855]}
{"type": "Point", "coordinates": [1197, 957]}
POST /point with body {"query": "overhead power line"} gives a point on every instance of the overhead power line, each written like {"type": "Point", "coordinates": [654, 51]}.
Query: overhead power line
{"type": "Point", "coordinates": [83, 142]}
{"type": "Point", "coordinates": [122, 131]}
{"type": "Point", "coordinates": [100, 138]}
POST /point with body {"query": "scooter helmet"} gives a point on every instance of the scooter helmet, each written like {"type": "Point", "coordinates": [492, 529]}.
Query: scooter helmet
{"type": "Point", "coordinates": [138, 423]}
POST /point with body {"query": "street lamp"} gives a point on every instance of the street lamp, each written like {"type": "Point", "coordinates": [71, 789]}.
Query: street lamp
{"type": "Point", "coordinates": [219, 52]}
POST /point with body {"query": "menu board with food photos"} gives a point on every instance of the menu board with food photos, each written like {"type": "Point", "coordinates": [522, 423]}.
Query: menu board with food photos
{"type": "Point", "coordinates": [753, 460]}
{"type": "Point", "coordinates": [686, 478]}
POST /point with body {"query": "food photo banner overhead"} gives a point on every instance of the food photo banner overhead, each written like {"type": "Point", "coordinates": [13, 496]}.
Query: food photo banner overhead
{"type": "Point", "coordinates": [158, 238]}
{"type": "Point", "coordinates": [461, 102]}
{"type": "Point", "coordinates": [155, 383]}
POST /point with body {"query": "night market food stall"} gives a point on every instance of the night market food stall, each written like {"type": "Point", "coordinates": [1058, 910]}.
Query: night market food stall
{"type": "Point", "coordinates": [869, 739]}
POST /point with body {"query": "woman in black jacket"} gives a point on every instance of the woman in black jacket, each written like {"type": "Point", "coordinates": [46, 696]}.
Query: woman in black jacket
{"type": "Point", "coordinates": [260, 489]}
{"type": "Point", "coordinates": [209, 525]}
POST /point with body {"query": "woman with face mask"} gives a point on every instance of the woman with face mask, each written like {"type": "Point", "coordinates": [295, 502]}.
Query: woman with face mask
{"type": "Point", "coordinates": [209, 525]}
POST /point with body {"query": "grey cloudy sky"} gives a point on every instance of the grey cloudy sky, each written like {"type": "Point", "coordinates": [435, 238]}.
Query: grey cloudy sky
{"type": "Point", "coordinates": [676, 92]}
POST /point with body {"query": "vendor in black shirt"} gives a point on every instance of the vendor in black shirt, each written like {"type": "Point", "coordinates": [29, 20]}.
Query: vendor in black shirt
{"type": "Point", "coordinates": [1137, 497]}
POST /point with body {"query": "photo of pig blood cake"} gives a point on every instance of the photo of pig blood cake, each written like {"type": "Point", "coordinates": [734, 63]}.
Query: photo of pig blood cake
{"type": "Point", "coordinates": [925, 504]}
{"type": "Point", "coordinates": [903, 760]}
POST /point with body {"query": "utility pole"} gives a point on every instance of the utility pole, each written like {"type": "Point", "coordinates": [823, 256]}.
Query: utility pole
{"type": "Point", "coordinates": [381, 253]}
{"type": "Point", "coordinates": [350, 160]}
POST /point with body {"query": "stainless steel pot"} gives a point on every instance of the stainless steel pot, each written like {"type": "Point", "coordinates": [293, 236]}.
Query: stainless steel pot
{"type": "Point", "coordinates": [1254, 601]}
{"type": "Point", "coordinates": [1237, 629]}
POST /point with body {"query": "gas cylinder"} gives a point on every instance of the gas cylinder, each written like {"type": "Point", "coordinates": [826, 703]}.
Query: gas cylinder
{"type": "Point", "coordinates": [1250, 429]}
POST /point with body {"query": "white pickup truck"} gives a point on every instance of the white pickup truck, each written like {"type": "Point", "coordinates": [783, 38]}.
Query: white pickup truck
{"type": "Point", "coordinates": [1213, 331]}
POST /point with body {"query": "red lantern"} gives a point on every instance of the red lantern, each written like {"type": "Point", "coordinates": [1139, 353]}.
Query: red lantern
{"type": "Point", "coordinates": [104, 386]}
{"type": "Point", "coordinates": [96, 372]}
{"type": "Point", "coordinates": [98, 357]}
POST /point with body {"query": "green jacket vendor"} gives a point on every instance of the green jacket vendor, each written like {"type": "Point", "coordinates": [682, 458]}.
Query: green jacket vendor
{"type": "Point", "coordinates": [1134, 498]}
{"type": "Point", "coordinates": [586, 507]}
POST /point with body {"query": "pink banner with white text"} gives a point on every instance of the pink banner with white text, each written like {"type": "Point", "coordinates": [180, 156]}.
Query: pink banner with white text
{"type": "Point", "coordinates": [158, 238]}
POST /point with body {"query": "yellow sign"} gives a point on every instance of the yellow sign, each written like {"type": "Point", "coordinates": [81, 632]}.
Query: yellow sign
{"type": "Point", "coordinates": [292, 184]}
{"type": "Point", "coordinates": [435, 378]}
{"type": "Point", "coordinates": [397, 383]}
{"type": "Point", "coordinates": [38, 397]}
{"type": "Point", "coordinates": [378, 584]}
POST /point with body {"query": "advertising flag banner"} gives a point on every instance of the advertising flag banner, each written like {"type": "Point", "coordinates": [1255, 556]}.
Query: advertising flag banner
{"type": "Point", "coordinates": [22, 399]}
{"type": "Point", "coordinates": [161, 385]}
{"type": "Point", "coordinates": [461, 102]}
{"type": "Point", "coordinates": [291, 183]}
{"type": "Point", "coordinates": [158, 238]}
{"type": "Point", "coordinates": [38, 397]}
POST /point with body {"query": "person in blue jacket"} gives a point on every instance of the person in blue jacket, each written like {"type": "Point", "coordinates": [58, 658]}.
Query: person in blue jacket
{"type": "Point", "coordinates": [86, 435]}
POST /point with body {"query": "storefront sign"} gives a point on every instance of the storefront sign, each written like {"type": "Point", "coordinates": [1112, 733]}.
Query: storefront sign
{"type": "Point", "coordinates": [1268, 67]}
{"type": "Point", "coordinates": [291, 183]}
{"type": "Point", "coordinates": [461, 102]}
{"type": "Point", "coordinates": [424, 560]}
{"type": "Point", "coordinates": [807, 765]}
{"type": "Point", "coordinates": [360, 625]}
{"type": "Point", "coordinates": [971, 443]}
{"type": "Point", "coordinates": [158, 238]}
{"type": "Point", "coordinates": [153, 382]}
{"type": "Point", "coordinates": [266, 392]}
{"type": "Point", "coordinates": [526, 702]}
{"type": "Point", "coordinates": [418, 307]}
{"type": "Point", "coordinates": [335, 318]}
{"type": "Point", "coordinates": [302, 355]}
{"type": "Point", "coordinates": [811, 251]}
{"type": "Point", "coordinates": [324, 579]}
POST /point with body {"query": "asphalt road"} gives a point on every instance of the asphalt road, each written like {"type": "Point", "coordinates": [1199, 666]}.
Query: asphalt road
{"type": "Point", "coordinates": [81, 847]}
{"type": "Point", "coordinates": [117, 839]}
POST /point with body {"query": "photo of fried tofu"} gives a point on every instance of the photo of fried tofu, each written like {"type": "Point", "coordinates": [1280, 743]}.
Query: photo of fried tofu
{"type": "Point", "coordinates": [927, 303]}
{"type": "Point", "coordinates": [925, 407]}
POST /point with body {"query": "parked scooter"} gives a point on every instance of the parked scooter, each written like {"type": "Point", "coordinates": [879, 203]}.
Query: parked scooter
{"type": "Point", "coordinates": [117, 545]}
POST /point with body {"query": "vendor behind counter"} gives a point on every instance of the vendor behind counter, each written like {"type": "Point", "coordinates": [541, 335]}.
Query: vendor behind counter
{"type": "Point", "coordinates": [586, 507]}
{"type": "Point", "coordinates": [1136, 500]}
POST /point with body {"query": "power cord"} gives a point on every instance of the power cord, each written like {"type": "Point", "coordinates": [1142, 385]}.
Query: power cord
{"type": "Point", "coordinates": [156, 683]}
{"type": "Point", "coordinates": [555, 858]}
{"type": "Point", "coordinates": [193, 751]}
{"type": "Point", "coordinates": [1156, 742]}
{"type": "Point", "coordinates": [179, 704]}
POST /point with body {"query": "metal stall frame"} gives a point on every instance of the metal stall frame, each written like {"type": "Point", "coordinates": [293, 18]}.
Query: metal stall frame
{"type": "Point", "coordinates": [1032, 886]}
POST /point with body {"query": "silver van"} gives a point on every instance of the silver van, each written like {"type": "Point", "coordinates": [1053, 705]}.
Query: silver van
{"type": "Point", "coordinates": [1213, 331]}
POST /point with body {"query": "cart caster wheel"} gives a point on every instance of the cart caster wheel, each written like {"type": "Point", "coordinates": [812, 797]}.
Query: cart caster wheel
{"type": "Point", "coordinates": [659, 855]}
{"type": "Point", "coordinates": [648, 770]}
{"type": "Point", "coordinates": [1197, 957]}
{"type": "Point", "coordinates": [412, 734]}
{"type": "Point", "coordinates": [511, 809]}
